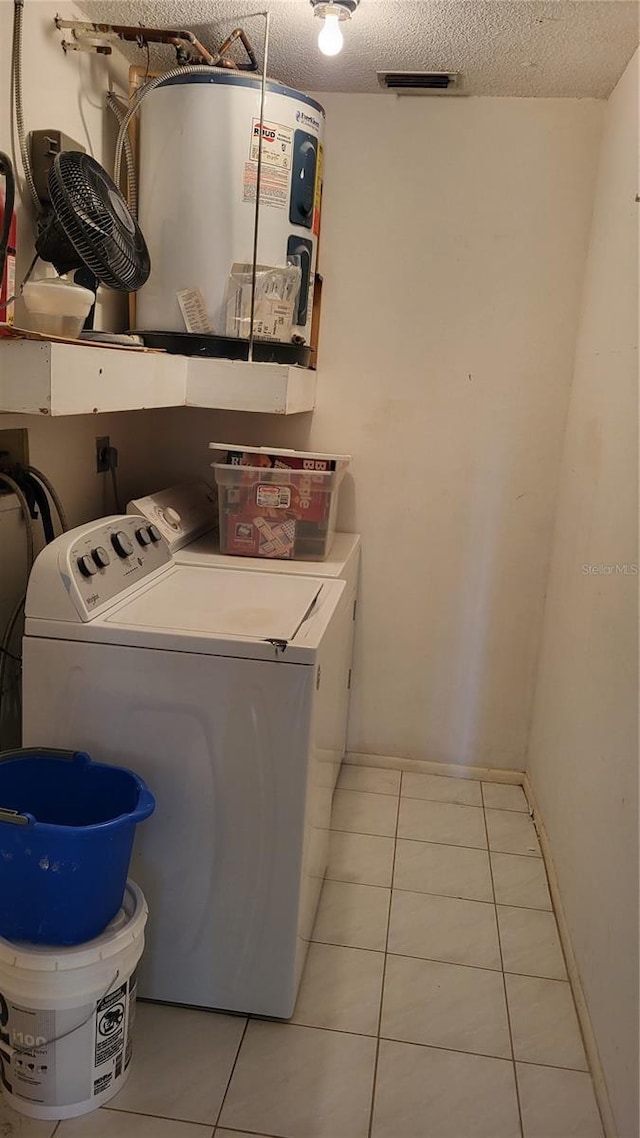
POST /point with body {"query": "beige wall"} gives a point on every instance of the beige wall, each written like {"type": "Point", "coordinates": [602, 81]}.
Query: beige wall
{"type": "Point", "coordinates": [583, 753]}
{"type": "Point", "coordinates": [453, 242]}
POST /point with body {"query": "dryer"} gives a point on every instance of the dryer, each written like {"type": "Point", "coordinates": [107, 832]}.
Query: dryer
{"type": "Point", "coordinates": [219, 687]}
{"type": "Point", "coordinates": [186, 515]}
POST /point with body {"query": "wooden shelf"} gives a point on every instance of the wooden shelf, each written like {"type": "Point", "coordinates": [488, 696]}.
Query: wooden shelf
{"type": "Point", "coordinates": [50, 378]}
{"type": "Point", "coordinates": [235, 385]}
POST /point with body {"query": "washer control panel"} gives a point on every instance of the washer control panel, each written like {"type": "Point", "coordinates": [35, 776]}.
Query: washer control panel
{"type": "Point", "coordinates": [181, 513]}
{"type": "Point", "coordinates": [93, 565]}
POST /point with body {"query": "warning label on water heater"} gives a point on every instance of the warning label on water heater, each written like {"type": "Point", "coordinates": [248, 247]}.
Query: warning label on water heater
{"type": "Point", "coordinates": [277, 149]}
{"type": "Point", "coordinates": [274, 186]}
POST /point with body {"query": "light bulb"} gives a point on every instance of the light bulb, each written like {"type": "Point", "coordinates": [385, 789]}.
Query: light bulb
{"type": "Point", "coordinates": [331, 39]}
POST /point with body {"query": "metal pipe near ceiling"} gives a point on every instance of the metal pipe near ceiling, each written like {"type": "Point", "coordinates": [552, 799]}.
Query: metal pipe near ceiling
{"type": "Point", "coordinates": [238, 34]}
{"type": "Point", "coordinates": [179, 38]}
{"type": "Point", "coordinates": [188, 47]}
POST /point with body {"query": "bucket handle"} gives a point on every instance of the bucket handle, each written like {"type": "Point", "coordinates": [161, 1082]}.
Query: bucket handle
{"type": "Point", "coordinates": [9, 1050]}
{"type": "Point", "coordinates": [146, 802]}
{"type": "Point", "coordinates": [16, 818]}
{"type": "Point", "coordinates": [79, 757]}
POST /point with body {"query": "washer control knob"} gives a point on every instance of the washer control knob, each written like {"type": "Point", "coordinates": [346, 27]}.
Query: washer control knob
{"type": "Point", "coordinates": [154, 534]}
{"type": "Point", "coordinates": [121, 543]}
{"type": "Point", "coordinates": [172, 517]}
{"type": "Point", "coordinates": [86, 566]}
{"type": "Point", "coordinates": [143, 536]}
{"type": "Point", "coordinates": [100, 556]}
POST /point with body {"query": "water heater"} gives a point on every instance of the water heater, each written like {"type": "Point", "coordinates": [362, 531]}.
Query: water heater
{"type": "Point", "coordinates": [199, 138]}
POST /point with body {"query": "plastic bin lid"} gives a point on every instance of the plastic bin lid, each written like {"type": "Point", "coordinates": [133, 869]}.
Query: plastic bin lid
{"type": "Point", "coordinates": [126, 927]}
{"type": "Point", "coordinates": [284, 451]}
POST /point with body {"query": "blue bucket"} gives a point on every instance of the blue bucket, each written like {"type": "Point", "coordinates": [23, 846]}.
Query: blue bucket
{"type": "Point", "coordinates": [66, 833]}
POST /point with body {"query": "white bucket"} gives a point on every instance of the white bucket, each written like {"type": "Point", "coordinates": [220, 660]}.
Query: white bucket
{"type": "Point", "coordinates": [66, 1017]}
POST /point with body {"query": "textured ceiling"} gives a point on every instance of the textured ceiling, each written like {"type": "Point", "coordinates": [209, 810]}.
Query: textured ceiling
{"type": "Point", "coordinates": [564, 48]}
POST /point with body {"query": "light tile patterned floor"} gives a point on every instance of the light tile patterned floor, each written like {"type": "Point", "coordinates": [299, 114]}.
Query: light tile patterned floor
{"type": "Point", "coordinates": [434, 1003]}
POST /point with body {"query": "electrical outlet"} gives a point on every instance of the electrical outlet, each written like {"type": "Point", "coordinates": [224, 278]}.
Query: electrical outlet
{"type": "Point", "coordinates": [102, 457]}
{"type": "Point", "coordinates": [14, 451]}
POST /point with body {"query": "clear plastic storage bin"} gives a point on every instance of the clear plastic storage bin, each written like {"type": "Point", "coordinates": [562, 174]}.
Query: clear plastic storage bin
{"type": "Point", "coordinates": [276, 510]}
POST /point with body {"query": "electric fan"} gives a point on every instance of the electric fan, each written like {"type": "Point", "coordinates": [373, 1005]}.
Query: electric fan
{"type": "Point", "coordinates": [88, 225]}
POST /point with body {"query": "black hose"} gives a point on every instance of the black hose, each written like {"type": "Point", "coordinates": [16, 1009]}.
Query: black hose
{"type": "Point", "coordinates": [6, 169]}
{"type": "Point", "coordinates": [37, 497]}
{"type": "Point", "coordinates": [55, 497]}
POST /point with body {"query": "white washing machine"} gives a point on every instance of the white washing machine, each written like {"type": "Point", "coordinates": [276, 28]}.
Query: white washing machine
{"type": "Point", "coordinates": [220, 689]}
{"type": "Point", "coordinates": [186, 515]}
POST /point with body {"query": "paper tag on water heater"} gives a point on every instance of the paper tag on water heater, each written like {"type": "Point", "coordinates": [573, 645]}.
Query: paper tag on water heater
{"type": "Point", "coordinates": [277, 144]}
{"type": "Point", "coordinates": [194, 311]}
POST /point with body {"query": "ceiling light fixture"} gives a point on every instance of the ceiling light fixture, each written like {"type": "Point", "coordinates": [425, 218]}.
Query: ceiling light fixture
{"type": "Point", "coordinates": [332, 13]}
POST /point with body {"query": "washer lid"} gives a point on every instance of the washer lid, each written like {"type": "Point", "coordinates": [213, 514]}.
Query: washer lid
{"type": "Point", "coordinates": [250, 606]}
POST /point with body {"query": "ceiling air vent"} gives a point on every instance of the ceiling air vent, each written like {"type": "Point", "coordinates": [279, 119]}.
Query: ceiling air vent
{"type": "Point", "coordinates": [421, 82]}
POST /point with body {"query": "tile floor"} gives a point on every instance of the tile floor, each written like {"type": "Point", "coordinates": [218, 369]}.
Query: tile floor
{"type": "Point", "coordinates": [434, 1004]}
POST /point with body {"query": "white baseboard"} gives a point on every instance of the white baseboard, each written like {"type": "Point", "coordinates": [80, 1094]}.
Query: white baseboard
{"type": "Point", "coordinates": [424, 766]}
{"type": "Point", "coordinates": [590, 1045]}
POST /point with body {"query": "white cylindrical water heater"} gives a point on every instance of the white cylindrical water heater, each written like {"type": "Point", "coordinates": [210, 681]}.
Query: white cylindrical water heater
{"type": "Point", "coordinates": [199, 137]}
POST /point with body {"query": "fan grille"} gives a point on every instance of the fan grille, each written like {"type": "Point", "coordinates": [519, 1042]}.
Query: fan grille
{"type": "Point", "coordinates": [97, 221]}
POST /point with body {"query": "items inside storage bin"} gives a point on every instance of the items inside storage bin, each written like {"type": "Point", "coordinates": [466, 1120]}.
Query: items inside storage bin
{"type": "Point", "coordinates": [278, 503]}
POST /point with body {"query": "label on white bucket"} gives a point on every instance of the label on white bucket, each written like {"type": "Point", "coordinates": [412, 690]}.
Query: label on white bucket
{"type": "Point", "coordinates": [59, 1058]}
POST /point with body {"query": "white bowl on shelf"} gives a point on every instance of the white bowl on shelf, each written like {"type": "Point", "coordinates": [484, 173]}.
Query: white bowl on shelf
{"type": "Point", "coordinates": [57, 307]}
